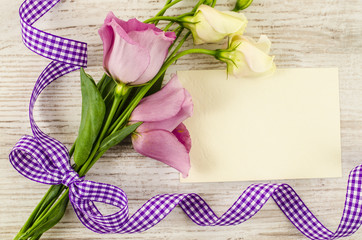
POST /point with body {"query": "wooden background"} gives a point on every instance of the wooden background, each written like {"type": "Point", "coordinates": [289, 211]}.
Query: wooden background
{"type": "Point", "coordinates": [308, 33]}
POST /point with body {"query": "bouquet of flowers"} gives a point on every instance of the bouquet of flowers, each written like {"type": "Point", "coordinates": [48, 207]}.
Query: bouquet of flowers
{"type": "Point", "coordinates": [129, 99]}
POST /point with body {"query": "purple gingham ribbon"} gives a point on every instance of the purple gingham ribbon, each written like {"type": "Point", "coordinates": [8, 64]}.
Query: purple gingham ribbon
{"type": "Point", "coordinates": [44, 159]}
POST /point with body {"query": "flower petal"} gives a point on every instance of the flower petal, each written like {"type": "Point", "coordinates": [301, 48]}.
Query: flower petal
{"type": "Point", "coordinates": [257, 60]}
{"type": "Point", "coordinates": [157, 44]}
{"type": "Point", "coordinates": [226, 22]}
{"type": "Point", "coordinates": [135, 25]}
{"type": "Point", "coordinates": [162, 105]}
{"type": "Point", "coordinates": [133, 51]}
{"type": "Point", "coordinates": [183, 136]}
{"type": "Point", "coordinates": [124, 55]}
{"type": "Point", "coordinates": [203, 32]}
{"type": "Point", "coordinates": [164, 147]}
{"type": "Point", "coordinates": [107, 35]}
{"type": "Point", "coordinates": [171, 123]}
{"type": "Point", "coordinates": [263, 43]}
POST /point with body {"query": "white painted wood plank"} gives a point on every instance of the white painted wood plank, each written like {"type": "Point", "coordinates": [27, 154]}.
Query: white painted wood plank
{"type": "Point", "coordinates": [310, 33]}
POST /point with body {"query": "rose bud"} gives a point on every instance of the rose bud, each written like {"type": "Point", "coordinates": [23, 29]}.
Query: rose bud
{"type": "Point", "coordinates": [242, 4]}
{"type": "Point", "coordinates": [209, 25]}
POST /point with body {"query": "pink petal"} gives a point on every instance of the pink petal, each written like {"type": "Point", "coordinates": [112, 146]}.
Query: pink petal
{"type": "Point", "coordinates": [135, 25]}
{"type": "Point", "coordinates": [133, 51]}
{"type": "Point", "coordinates": [164, 147]}
{"type": "Point", "coordinates": [126, 61]}
{"type": "Point", "coordinates": [183, 136]}
{"type": "Point", "coordinates": [157, 45]}
{"type": "Point", "coordinates": [162, 105]}
{"type": "Point", "coordinates": [171, 123]}
{"type": "Point", "coordinates": [107, 36]}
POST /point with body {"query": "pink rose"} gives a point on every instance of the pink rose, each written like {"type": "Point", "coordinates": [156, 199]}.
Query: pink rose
{"type": "Point", "coordinates": [133, 52]}
{"type": "Point", "coordinates": [163, 136]}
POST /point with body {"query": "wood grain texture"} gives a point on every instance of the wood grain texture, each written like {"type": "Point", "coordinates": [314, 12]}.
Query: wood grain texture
{"type": "Point", "coordinates": [310, 33]}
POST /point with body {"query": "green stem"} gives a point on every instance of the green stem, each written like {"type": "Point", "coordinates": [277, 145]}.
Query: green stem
{"type": "Point", "coordinates": [110, 130]}
{"type": "Point", "coordinates": [197, 5]}
{"type": "Point", "coordinates": [168, 26]}
{"type": "Point", "coordinates": [178, 32]}
{"type": "Point", "coordinates": [51, 203]}
{"type": "Point", "coordinates": [124, 100]}
{"type": "Point", "coordinates": [35, 237]}
{"type": "Point", "coordinates": [179, 46]}
{"type": "Point", "coordinates": [173, 19]}
{"type": "Point", "coordinates": [65, 194]}
{"type": "Point", "coordinates": [168, 4]}
{"type": "Point", "coordinates": [29, 222]}
{"type": "Point", "coordinates": [93, 161]}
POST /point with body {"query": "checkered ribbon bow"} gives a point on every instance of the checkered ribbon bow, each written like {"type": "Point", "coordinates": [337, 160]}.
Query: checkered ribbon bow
{"type": "Point", "coordinates": [44, 159]}
{"type": "Point", "coordinates": [36, 163]}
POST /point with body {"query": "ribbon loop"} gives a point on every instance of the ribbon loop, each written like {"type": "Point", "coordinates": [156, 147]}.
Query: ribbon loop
{"type": "Point", "coordinates": [30, 159]}
{"type": "Point", "coordinates": [84, 197]}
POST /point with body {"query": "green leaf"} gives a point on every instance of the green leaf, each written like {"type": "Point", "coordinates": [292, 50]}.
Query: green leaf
{"type": "Point", "coordinates": [106, 86]}
{"type": "Point", "coordinates": [117, 137]}
{"type": "Point", "coordinates": [93, 112]}
{"type": "Point", "coordinates": [101, 82]}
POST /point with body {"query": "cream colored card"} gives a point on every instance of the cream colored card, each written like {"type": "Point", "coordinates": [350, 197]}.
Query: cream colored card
{"type": "Point", "coordinates": [286, 126]}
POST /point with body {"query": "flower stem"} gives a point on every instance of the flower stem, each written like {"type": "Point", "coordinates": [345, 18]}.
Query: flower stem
{"type": "Point", "coordinates": [30, 220]}
{"type": "Point", "coordinates": [168, 4]}
{"type": "Point", "coordinates": [197, 5]}
{"type": "Point", "coordinates": [30, 231]}
{"type": "Point", "coordinates": [179, 46]}
{"type": "Point", "coordinates": [158, 18]}
{"type": "Point", "coordinates": [120, 107]}
{"type": "Point", "coordinates": [168, 26]}
{"type": "Point", "coordinates": [93, 161]}
{"type": "Point", "coordinates": [178, 32]}
{"type": "Point", "coordinates": [50, 204]}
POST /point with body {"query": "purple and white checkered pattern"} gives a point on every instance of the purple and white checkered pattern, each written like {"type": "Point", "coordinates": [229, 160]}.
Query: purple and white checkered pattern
{"type": "Point", "coordinates": [48, 45]}
{"type": "Point", "coordinates": [44, 159]}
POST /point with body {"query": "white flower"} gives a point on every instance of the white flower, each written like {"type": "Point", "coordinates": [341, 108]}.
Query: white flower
{"type": "Point", "coordinates": [247, 58]}
{"type": "Point", "coordinates": [209, 25]}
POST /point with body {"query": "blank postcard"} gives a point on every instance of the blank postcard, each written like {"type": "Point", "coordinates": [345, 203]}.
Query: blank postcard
{"type": "Point", "coordinates": [286, 126]}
